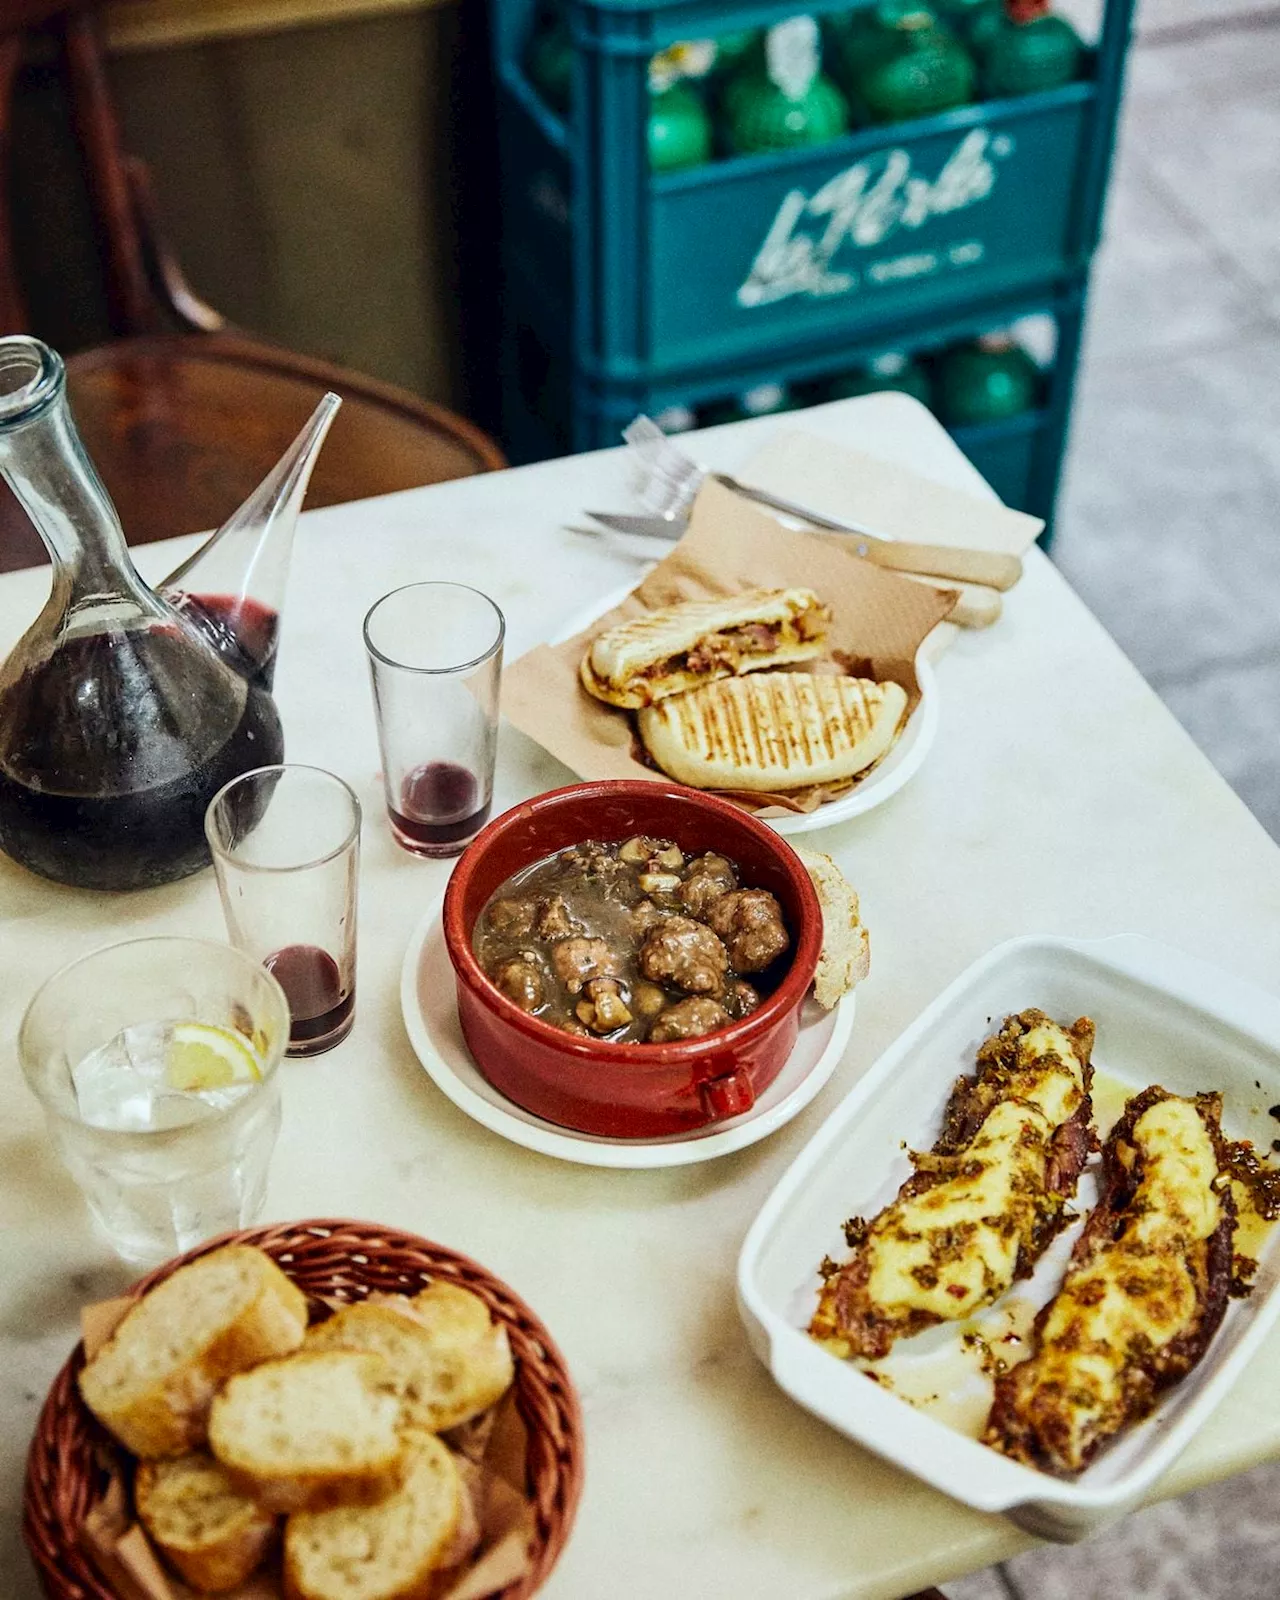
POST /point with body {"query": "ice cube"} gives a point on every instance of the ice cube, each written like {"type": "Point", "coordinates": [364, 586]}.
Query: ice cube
{"type": "Point", "coordinates": [122, 1086]}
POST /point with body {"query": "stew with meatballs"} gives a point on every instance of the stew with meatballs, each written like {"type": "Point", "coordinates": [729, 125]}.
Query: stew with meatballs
{"type": "Point", "coordinates": [633, 942]}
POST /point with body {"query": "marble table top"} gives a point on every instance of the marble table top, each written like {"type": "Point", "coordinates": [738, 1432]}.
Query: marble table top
{"type": "Point", "coordinates": [1059, 798]}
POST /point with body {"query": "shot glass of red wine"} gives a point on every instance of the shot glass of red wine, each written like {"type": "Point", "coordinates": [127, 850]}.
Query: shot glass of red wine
{"type": "Point", "coordinates": [286, 850]}
{"type": "Point", "coordinates": [435, 659]}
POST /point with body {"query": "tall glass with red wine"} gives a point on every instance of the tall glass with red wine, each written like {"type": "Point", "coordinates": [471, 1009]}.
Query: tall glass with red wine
{"type": "Point", "coordinates": [286, 850]}
{"type": "Point", "coordinates": [435, 659]}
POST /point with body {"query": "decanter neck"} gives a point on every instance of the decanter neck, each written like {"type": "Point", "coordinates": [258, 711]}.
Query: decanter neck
{"type": "Point", "coordinates": [44, 462]}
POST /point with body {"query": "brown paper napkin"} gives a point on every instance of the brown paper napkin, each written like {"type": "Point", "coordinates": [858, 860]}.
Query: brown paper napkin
{"type": "Point", "coordinates": [879, 622]}
{"type": "Point", "coordinates": [852, 486]}
{"type": "Point", "coordinates": [494, 1552]}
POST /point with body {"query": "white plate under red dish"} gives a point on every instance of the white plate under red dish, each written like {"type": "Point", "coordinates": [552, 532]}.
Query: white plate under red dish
{"type": "Point", "coordinates": [885, 779]}
{"type": "Point", "coordinates": [428, 1000]}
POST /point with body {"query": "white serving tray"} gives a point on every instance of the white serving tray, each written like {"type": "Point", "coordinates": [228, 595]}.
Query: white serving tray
{"type": "Point", "coordinates": [1162, 1017]}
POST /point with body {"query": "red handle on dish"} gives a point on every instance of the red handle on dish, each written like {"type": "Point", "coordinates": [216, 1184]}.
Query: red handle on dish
{"type": "Point", "coordinates": [728, 1096]}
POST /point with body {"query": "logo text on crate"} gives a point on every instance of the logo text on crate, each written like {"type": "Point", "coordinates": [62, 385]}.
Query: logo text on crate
{"type": "Point", "coordinates": [863, 206]}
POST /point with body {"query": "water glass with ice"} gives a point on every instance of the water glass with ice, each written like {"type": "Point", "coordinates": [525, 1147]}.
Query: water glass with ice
{"type": "Point", "coordinates": [155, 1062]}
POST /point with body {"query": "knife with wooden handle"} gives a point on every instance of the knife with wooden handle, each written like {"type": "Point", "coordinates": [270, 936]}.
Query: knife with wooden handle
{"type": "Point", "coordinates": [990, 568]}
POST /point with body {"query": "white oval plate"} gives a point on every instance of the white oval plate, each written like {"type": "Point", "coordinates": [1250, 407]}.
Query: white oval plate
{"type": "Point", "coordinates": [897, 769]}
{"type": "Point", "coordinates": [428, 1000]}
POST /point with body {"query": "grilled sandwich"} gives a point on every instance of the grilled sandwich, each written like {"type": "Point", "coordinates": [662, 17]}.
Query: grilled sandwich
{"type": "Point", "coordinates": [982, 1206]}
{"type": "Point", "coordinates": [1144, 1293]}
{"type": "Point", "coordinates": [774, 730]}
{"type": "Point", "coordinates": [681, 647]}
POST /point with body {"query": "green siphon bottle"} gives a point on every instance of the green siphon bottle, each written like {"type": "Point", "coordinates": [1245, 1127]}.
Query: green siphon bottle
{"type": "Point", "coordinates": [788, 104]}
{"type": "Point", "coordinates": [989, 380]}
{"type": "Point", "coordinates": [549, 61]}
{"type": "Point", "coordinates": [898, 61]}
{"type": "Point", "coordinates": [762, 400]}
{"type": "Point", "coordinates": [1030, 51]}
{"type": "Point", "coordinates": [679, 131]}
{"type": "Point", "coordinates": [894, 370]}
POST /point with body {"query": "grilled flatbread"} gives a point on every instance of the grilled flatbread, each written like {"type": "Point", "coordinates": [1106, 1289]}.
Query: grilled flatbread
{"type": "Point", "coordinates": [681, 647]}
{"type": "Point", "coordinates": [774, 731]}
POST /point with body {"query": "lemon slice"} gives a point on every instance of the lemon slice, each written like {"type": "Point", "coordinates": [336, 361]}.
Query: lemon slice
{"type": "Point", "coordinates": [204, 1056]}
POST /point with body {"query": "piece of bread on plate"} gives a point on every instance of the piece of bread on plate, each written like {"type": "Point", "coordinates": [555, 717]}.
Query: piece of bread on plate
{"type": "Point", "coordinates": [387, 1551]}
{"type": "Point", "coordinates": [152, 1382]}
{"type": "Point", "coordinates": [774, 731]}
{"type": "Point", "coordinates": [317, 1429]}
{"type": "Point", "coordinates": [450, 1360]}
{"type": "Point", "coordinates": [207, 1530]}
{"type": "Point", "coordinates": [679, 647]}
{"type": "Point", "coordinates": [846, 949]}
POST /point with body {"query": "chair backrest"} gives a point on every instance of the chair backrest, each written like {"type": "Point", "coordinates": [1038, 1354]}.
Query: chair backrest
{"type": "Point", "coordinates": [133, 306]}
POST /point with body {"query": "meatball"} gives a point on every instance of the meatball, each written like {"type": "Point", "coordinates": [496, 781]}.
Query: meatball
{"type": "Point", "coordinates": [709, 877]}
{"type": "Point", "coordinates": [578, 960]}
{"type": "Point", "coordinates": [750, 923]}
{"type": "Point", "coordinates": [685, 953]}
{"type": "Point", "coordinates": [740, 999]}
{"type": "Point", "coordinates": [688, 1019]}
{"type": "Point", "coordinates": [603, 1009]}
{"type": "Point", "coordinates": [520, 981]}
{"type": "Point", "coordinates": [554, 920]}
{"type": "Point", "coordinates": [643, 916]}
{"type": "Point", "coordinates": [513, 919]}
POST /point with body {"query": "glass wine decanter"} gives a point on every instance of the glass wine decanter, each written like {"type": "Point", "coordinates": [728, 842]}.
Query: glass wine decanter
{"type": "Point", "coordinates": [118, 721]}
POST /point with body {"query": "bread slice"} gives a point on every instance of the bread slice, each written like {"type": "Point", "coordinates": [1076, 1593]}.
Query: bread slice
{"type": "Point", "coordinates": [450, 1360]}
{"type": "Point", "coordinates": [846, 950]}
{"type": "Point", "coordinates": [774, 730]}
{"type": "Point", "coordinates": [387, 1551]}
{"type": "Point", "coordinates": [678, 647]}
{"type": "Point", "coordinates": [152, 1382]}
{"type": "Point", "coordinates": [209, 1532]}
{"type": "Point", "coordinates": [316, 1429]}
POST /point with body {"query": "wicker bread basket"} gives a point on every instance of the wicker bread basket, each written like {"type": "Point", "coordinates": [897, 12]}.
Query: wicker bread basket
{"type": "Point", "coordinates": [337, 1260]}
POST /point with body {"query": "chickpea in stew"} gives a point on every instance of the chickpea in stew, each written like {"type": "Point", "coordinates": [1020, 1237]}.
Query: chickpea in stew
{"type": "Point", "coordinates": [632, 942]}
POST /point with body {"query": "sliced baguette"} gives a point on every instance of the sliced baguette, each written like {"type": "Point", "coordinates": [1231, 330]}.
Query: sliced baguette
{"type": "Point", "coordinates": [386, 1551]}
{"type": "Point", "coordinates": [153, 1381]}
{"type": "Point", "coordinates": [450, 1360]}
{"type": "Point", "coordinates": [846, 950]}
{"type": "Point", "coordinates": [207, 1530]}
{"type": "Point", "coordinates": [316, 1429]}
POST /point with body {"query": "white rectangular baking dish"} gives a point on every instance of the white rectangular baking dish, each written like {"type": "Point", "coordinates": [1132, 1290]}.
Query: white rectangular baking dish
{"type": "Point", "coordinates": [1162, 1017]}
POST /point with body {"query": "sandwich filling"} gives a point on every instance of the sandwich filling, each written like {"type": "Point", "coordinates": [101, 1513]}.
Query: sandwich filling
{"type": "Point", "coordinates": [730, 648]}
{"type": "Point", "coordinates": [681, 646]}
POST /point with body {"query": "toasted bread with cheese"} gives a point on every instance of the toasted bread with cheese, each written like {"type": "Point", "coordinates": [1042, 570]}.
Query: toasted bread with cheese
{"type": "Point", "coordinates": [449, 1359]}
{"type": "Point", "coordinates": [207, 1530]}
{"type": "Point", "coordinates": [317, 1429]}
{"type": "Point", "coordinates": [680, 647]}
{"type": "Point", "coordinates": [774, 730]}
{"type": "Point", "coordinates": [386, 1551]}
{"type": "Point", "coordinates": [153, 1381]}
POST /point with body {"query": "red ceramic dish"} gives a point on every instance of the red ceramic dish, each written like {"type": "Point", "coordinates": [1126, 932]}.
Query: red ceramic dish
{"type": "Point", "coordinates": [637, 1091]}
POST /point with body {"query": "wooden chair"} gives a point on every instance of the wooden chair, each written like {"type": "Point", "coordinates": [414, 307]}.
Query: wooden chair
{"type": "Point", "coordinates": [183, 415]}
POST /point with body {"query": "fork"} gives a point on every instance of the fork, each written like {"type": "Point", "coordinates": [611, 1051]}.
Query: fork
{"type": "Point", "coordinates": [673, 479]}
